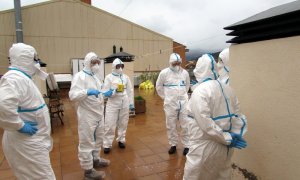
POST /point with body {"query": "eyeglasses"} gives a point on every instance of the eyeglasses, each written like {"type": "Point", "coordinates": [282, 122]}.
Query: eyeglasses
{"type": "Point", "coordinates": [176, 63]}
{"type": "Point", "coordinates": [95, 61]}
{"type": "Point", "coordinates": [118, 66]}
{"type": "Point", "coordinates": [37, 60]}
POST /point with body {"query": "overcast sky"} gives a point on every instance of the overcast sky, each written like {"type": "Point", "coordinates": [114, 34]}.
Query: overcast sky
{"type": "Point", "coordinates": [198, 24]}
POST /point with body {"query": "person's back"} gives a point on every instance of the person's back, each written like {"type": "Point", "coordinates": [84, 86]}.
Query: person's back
{"type": "Point", "coordinates": [216, 125]}
{"type": "Point", "coordinates": [215, 93]}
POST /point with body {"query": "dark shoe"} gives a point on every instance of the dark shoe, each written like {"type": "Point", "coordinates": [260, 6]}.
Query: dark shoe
{"type": "Point", "coordinates": [121, 145]}
{"type": "Point", "coordinates": [92, 174]}
{"type": "Point", "coordinates": [172, 150]}
{"type": "Point", "coordinates": [185, 151]}
{"type": "Point", "coordinates": [101, 163]}
{"type": "Point", "coordinates": [106, 150]}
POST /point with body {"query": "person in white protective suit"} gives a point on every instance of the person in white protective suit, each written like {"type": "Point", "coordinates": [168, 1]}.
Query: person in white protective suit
{"type": "Point", "coordinates": [86, 91]}
{"type": "Point", "coordinates": [24, 117]}
{"type": "Point", "coordinates": [223, 66]}
{"type": "Point", "coordinates": [118, 105]}
{"type": "Point", "coordinates": [172, 86]}
{"type": "Point", "coordinates": [216, 125]}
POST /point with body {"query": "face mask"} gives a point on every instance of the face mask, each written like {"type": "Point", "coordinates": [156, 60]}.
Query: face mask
{"type": "Point", "coordinates": [39, 72]}
{"type": "Point", "coordinates": [95, 68]}
{"type": "Point", "coordinates": [119, 71]}
{"type": "Point", "coordinates": [175, 68]}
{"type": "Point", "coordinates": [220, 65]}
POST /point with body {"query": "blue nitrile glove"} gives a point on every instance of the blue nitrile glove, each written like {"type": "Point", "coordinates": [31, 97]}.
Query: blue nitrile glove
{"type": "Point", "coordinates": [237, 141]}
{"type": "Point", "coordinates": [193, 82]}
{"type": "Point", "coordinates": [131, 107]}
{"type": "Point", "coordinates": [91, 92]}
{"type": "Point", "coordinates": [29, 128]}
{"type": "Point", "coordinates": [108, 93]}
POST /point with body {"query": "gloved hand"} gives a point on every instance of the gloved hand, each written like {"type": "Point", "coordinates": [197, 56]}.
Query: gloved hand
{"type": "Point", "coordinates": [131, 107]}
{"type": "Point", "coordinates": [237, 141]}
{"type": "Point", "coordinates": [29, 128]}
{"type": "Point", "coordinates": [108, 93]}
{"type": "Point", "coordinates": [193, 82]}
{"type": "Point", "coordinates": [91, 92]}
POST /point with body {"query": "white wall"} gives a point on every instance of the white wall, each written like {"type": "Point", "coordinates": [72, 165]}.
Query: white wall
{"type": "Point", "coordinates": [266, 78]}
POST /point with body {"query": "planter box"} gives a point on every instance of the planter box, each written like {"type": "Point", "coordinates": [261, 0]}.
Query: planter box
{"type": "Point", "coordinates": [140, 106]}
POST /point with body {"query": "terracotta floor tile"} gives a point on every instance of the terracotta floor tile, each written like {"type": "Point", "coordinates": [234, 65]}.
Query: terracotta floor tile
{"type": "Point", "coordinates": [144, 152]}
{"type": "Point", "coordinates": [124, 174]}
{"type": "Point", "coordinates": [69, 148]}
{"type": "Point", "coordinates": [114, 167]}
{"type": "Point", "coordinates": [138, 146]}
{"type": "Point", "coordinates": [78, 175]}
{"type": "Point", "coordinates": [1, 153]}
{"type": "Point", "coordinates": [150, 177]}
{"type": "Point", "coordinates": [57, 171]}
{"type": "Point", "coordinates": [4, 164]}
{"type": "Point", "coordinates": [152, 159]}
{"type": "Point", "coordinates": [159, 149]}
{"type": "Point", "coordinates": [55, 159]}
{"type": "Point", "coordinates": [6, 174]}
{"type": "Point", "coordinates": [144, 170]}
{"type": "Point", "coordinates": [135, 163]}
{"type": "Point", "coordinates": [176, 174]}
{"type": "Point", "coordinates": [69, 159]}
{"type": "Point", "coordinates": [70, 168]}
{"type": "Point", "coordinates": [166, 156]}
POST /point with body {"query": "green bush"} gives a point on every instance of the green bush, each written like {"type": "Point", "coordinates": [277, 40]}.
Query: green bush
{"type": "Point", "coordinates": [152, 76]}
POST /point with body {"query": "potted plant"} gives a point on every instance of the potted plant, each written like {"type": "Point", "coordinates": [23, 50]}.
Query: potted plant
{"type": "Point", "coordinates": [140, 104]}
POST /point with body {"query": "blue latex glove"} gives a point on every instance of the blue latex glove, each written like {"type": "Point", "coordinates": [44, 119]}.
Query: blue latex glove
{"type": "Point", "coordinates": [237, 141]}
{"type": "Point", "coordinates": [108, 93]}
{"type": "Point", "coordinates": [29, 128]}
{"type": "Point", "coordinates": [94, 92]}
{"type": "Point", "coordinates": [193, 82]}
{"type": "Point", "coordinates": [131, 107]}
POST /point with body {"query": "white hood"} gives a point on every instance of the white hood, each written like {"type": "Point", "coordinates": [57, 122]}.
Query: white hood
{"type": "Point", "coordinates": [22, 57]}
{"type": "Point", "coordinates": [87, 61]}
{"type": "Point", "coordinates": [205, 68]}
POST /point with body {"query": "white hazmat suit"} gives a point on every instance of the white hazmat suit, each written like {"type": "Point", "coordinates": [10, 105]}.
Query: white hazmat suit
{"type": "Point", "coordinates": [21, 101]}
{"type": "Point", "coordinates": [172, 86]}
{"type": "Point", "coordinates": [89, 113]}
{"type": "Point", "coordinates": [214, 113]}
{"type": "Point", "coordinates": [223, 66]}
{"type": "Point", "coordinates": [117, 107]}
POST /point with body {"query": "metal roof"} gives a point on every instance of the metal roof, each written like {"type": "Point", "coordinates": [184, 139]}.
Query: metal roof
{"type": "Point", "coordinates": [278, 22]}
{"type": "Point", "coordinates": [124, 56]}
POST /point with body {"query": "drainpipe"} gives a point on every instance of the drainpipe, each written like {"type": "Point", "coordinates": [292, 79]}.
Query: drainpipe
{"type": "Point", "coordinates": [18, 19]}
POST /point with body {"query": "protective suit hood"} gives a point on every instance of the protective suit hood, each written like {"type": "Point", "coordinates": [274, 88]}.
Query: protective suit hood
{"type": "Point", "coordinates": [224, 55]}
{"type": "Point", "coordinates": [205, 68]}
{"type": "Point", "coordinates": [174, 57]}
{"type": "Point", "coordinates": [87, 61]}
{"type": "Point", "coordinates": [114, 64]}
{"type": "Point", "coordinates": [22, 57]}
